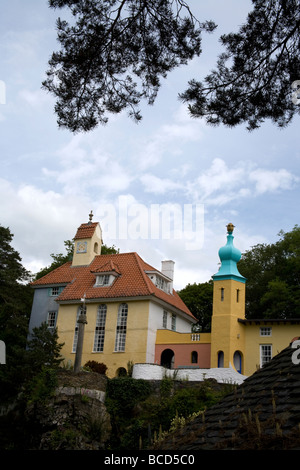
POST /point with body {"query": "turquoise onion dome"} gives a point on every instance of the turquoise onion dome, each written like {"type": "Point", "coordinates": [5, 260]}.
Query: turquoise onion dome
{"type": "Point", "coordinates": [229, 256]}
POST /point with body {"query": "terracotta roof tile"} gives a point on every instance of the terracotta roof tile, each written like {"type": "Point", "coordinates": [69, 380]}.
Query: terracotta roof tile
{"type": "Point", "coordinates": [86, 230]}
{"type": "Point", "coordinates": [132, 281]}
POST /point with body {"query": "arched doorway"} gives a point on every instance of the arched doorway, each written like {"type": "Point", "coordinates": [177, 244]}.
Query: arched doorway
{"type": "Point", "coordinates": [167, 358]}
{"type": "Point", "coordinates": [237, 361]}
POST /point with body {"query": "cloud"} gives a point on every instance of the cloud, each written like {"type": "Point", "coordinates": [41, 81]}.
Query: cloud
{"type": "Point", "coordinates": [157, 185]}
{"type": "Point", "coordinates": [272, 180]}
{"type": "Point", "coordinates": [83, 167]}
{"type": "Point", "coordinates": [169, 139]}
{"type": "Point", "coordinates": [220, 184]}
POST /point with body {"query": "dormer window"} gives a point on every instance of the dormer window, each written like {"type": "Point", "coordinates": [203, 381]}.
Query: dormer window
{"type": "Point", "coordinates": [104, 280]}
{"type": "Point", "coordinates": [160, 281]}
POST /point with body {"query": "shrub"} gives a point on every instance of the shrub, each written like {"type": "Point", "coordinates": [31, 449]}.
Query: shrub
{"type": "Point", "coordinates": [95, 366]}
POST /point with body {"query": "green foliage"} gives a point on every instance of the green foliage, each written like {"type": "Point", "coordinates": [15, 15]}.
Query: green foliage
{"type": "Point", "coordinates": [273, 277]}
{"type": "Point", "coordinates": [43, 349]}
{"type": "Point", "coordinates": [15, 306]}
{"type": "Point", "coordinates": [58, 259]}
{"type": "Point", "coordinates": [139, 413]}
{"type": "Point", "coordinates": [95, 366]}
{"type": "Point", "coordinates": [198, 298]}
{"type": "Point", "coordinates": [41, 386]}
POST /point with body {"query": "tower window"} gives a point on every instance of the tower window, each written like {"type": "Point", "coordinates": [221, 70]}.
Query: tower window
{"type": "Point", "coordinates": [238, 295]}
{"type": "Point", "coordinates": [222, 294]}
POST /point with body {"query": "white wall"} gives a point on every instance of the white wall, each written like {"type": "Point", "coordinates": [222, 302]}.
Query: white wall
{"type": "Point", "coordinates": [157, 372]}
{"type": "Point", "coordinates": [155, 322]}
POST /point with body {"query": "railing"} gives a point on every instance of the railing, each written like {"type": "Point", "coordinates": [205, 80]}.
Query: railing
{"type": "Point", "coordinates": [195, 337]}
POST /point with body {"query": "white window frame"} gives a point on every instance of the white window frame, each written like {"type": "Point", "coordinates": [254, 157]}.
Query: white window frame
{"type": "Point", "coordinates": [51, 319]}
{"type": "Point", "coordinates": [173, 322]}
{"type": "Point", "coordinates": [121, 329]}
{"type": "Point", "coordinates": [265, 331]}
{"type": "Point", "coordinates": [265, 354]}
{"type": "Point", "coordinates": [103, 280]}
{"type": "Point", "coordinates": [165, 319]}
{"type": "Point", "coordinates": [100, 328]}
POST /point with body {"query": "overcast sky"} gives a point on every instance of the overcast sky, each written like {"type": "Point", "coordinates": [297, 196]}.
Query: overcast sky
{"type": "Point", "coordinates": [129, 174]}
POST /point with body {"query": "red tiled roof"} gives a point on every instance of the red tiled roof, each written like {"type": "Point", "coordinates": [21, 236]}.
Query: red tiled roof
{"type": "Point", "coordinates": [131, 282]}
{"type": "Point", "coordinates": [86, 230]}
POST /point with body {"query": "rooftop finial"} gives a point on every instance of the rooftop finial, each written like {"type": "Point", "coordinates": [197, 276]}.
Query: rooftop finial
{"type": "Point", "coordinates": [230, 228]}
{"type": "Point", "coordinates": [91, 215]}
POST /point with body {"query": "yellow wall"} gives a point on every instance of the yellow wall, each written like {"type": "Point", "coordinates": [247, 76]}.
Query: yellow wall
{"type": "Point", "coordinates": [174, 337]}
{"type": "Point", "coordinates": [136, 337]}
{"type": "Point", "coordinates": [281, 337]}
{"type": "Point", "coordinates": [227, 333]}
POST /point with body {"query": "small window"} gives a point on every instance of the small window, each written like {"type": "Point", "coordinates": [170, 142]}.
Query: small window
{"type": "Point", "coordinates": [222, 294]}
{"type": "Point", "coordinates": [55, 291]}
{"type": "Point", "coordinates": [173, 322]}
{"type": "Point", "coordinates": [265, 331]}
{"type": "Point", "coordinates": [194, 357]}
{"type": "Point", "coordinates": [103, 280]}
{"type": "Point", "coordinates": [238, 295]}
{"type": "Point", "coordinates": [51, 320]}
{"type": "Point", "coordinates": [165, 319]}
{"type": "Point", "coordinates": [265, 354]}
{"type": "Point", "coordinates": [220, 359]}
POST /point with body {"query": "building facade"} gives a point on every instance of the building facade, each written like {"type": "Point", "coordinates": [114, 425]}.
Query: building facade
{"type": "Point", "coordinates": [124, 299]}
{"type": "Point", "coordinates": [133, 315]}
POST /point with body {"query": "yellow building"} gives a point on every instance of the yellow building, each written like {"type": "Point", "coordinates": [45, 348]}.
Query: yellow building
{"type": "Point", "coordinates": [132, 313]}
{"type": "Point", "coordinates": [124, 301]}
{"type": "Point", "coordinates": [234, 341]}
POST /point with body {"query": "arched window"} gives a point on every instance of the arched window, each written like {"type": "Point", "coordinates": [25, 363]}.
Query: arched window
{"type": "Point", "coordinates": [96, 247]}
{"type": "Point", "coordinates": [220, 359]}
{"type": "Point", "coordinates": [121, 328]}
{"type": "Point", "coordinates": [194, 357]}
{"type": "Point", "coordinates": [237, 361]}
{"type": "Point", "coordinates": [100, 329]}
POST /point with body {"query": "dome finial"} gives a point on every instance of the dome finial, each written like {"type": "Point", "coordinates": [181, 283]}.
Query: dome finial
{"type": "Point", "coordinates": [230, 228]}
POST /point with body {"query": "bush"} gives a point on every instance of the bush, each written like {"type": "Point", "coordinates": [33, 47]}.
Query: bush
{"type": "Point", "coordinates": [95, 366]}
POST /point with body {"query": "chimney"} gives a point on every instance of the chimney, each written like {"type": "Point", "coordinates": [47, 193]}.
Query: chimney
{"type": "Point", "coordinates": [167, 268]}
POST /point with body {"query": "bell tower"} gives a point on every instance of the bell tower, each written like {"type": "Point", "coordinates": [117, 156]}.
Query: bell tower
{"type": "Point", "coordinates": [227, 333]}
{"type": "Point", "coordinates": [88, 242]}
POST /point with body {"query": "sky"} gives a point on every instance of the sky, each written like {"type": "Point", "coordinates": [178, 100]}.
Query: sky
{"type": "Point", "coordinates": [165, 188]}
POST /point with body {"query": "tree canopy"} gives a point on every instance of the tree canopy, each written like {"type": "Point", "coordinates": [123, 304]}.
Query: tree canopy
{"type": "Point", "coordinates": [273, 277]}
{"type": "Point", "coordinates": [114, 54]}
{"type": "Point", "coordinates": [258, 76]}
